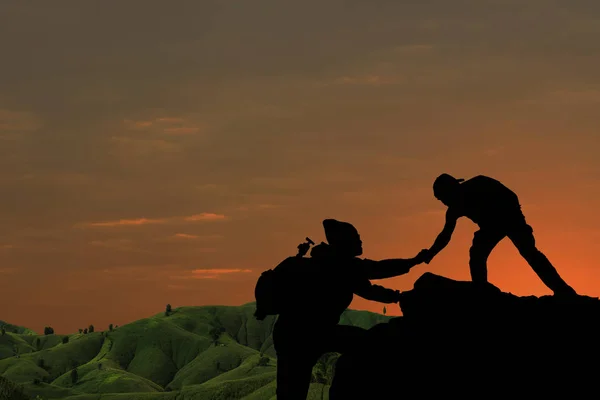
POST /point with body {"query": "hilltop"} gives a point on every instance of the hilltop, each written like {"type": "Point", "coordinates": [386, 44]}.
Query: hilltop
{"type": "Point", "coordinates": [454, 340]}
{"type": "Point", "coordinates": [16, 329]}
{"type": "Point", "coordinates": [207, 352]}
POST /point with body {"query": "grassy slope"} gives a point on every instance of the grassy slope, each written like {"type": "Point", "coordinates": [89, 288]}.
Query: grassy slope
{"type": "Point", "coordinates": [56, 360]}
{"type": "Point", "coordinates": [11, 343]}
{"type": "Point", "coordinates": [161, 357]}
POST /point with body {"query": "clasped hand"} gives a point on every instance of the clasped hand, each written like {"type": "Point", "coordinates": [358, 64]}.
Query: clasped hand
{"type": "Point", "coordinates": [424, 256]}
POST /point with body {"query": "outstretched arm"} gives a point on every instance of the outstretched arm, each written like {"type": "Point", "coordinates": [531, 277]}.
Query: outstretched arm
{"type": "Point", "coordinates": [368, 291]}
{"type": "Point", "coordinates": [444, 237]}
{"type": "Point", "coordinates": [392, 267]}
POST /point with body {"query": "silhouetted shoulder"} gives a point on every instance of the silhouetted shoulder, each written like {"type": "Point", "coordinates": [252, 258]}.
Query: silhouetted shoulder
{"type": "Point", "coordinates": [485, 184]}
{"type": "Point", "coordinates": [480, 180]}
{"type": "Point", "coordinates": [486, 199]}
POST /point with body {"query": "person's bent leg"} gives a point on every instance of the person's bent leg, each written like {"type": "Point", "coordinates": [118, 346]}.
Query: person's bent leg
{"type": "Point", "coordinates": [523, 239]}
{"type": "Point", "coordinates": [484, 242]}
{"type": "Point", "coordinates": [294, 372]}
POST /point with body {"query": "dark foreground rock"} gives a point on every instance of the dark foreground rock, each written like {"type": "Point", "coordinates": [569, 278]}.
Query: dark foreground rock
{"type": "Point", "coordinates": [455, 340]}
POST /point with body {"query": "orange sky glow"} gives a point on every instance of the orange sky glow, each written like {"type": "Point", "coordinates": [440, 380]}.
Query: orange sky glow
{"type": "Point", "coordinates": [155, 153]}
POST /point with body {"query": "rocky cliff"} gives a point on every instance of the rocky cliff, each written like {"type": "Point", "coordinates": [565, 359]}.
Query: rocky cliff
{"type": "Point", "coordinates": [456, 339]}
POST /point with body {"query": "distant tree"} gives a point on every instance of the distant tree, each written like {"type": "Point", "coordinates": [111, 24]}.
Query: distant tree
{"type": "Point", "coordinates": [215, 334]}
{"type": "Point", "coordinates": [218, 366]}
{"type": "Point", "coordinates": [36, 381]}
{"type": "Point", "coordinates": [99, 365]}
{"type": "Point", "coordinates": [48, 330]}
{"type": "Point", "coordinates": [80, 330]}
{"type": "Point", "coordinates": [116, 326]}
{"type": "Point", "coordinates": [41, 363]}
{"type": "Point", "coordinates": [65, 339]}
{"type": "Point", "coordinates": [91, 329]}
{"type": "Point", "coordinates": [37, 343]}
{"type": "Point", "coordinates": [3, 331]}
{"type": "Point", "coordinates": [74, 375]}
{"type": "Point", "coordinates": [168, 310]}
{"type": "Point", "coordinates": [384, 310]}
{"type": "Point", "coordinates": [85, 331]}
{"type": "Point", "coordinates": [110, 327]}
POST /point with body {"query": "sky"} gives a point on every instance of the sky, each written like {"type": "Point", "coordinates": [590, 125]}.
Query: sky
{"type": "Point", "coordinates": [157, 153]}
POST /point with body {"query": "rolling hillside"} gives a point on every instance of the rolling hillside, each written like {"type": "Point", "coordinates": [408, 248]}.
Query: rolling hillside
{"type": "Point", "coordinates": [207, 352]}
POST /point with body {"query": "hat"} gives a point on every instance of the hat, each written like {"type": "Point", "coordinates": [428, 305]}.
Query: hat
{"type": "Point", "coordinates": [445, 181]}
{"type": "Point", "coordinates": [338, 231]}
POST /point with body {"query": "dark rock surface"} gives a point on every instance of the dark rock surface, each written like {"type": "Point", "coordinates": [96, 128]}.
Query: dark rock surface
{"type": "Point", "coordinates": [456, 340]}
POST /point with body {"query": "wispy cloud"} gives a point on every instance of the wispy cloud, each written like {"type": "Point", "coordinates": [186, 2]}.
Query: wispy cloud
{"type": "Point", "coordinates": [264, 206]}
{"type": "Point", "coordinates": [137, 124]}
{"type": "Point", "coordinates": [202, 217]}
{"type": "Point", "coordinates": [186, 236]}
{"type": "Point", "coordinates": [218, 271]}
{"type": "Point", "coordinates": [575, 97]}
{"type": "Point", "coordinates": [182, 130]}
{"type": "Point", "coordinates": [163, 125]}
{"type": "Point", "coordinates": [205, 217]}
{"type": "Point", "coordinates": [215, 273]}
{"type": "Point", "coordinates": [210, 273]}
{"type": "Point", "coordinates": [128, 222]}
{"type": "Point", "coordinates": [169, 120]}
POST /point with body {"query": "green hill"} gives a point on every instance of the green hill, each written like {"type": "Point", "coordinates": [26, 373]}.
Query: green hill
{"type": "Point", "coordinates": [16, 329]}
{"type": "Point", "coordinates": [207, 352]}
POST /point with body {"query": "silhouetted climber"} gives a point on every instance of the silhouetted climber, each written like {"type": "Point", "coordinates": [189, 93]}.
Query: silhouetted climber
{"type": "Point", "coordinates": [314, 292]}
{"type": "Point", "coordinates": [497, 211]}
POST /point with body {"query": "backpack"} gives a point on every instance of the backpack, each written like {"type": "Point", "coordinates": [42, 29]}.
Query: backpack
{"type": "Point", "coordinates": [274, 288]}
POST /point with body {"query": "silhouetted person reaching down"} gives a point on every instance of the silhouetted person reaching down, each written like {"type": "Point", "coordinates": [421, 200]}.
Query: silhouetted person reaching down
{"type": "Point", "coordinates": [319, 292]}
{"type": "Point", "coordinates": [497, 211]}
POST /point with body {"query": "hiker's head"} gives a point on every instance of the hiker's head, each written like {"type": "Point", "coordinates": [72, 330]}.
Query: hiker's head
{"type": "Point", "coordinates": [343, 236]}
{"type": "Point", "coordinates": [445, 188]}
